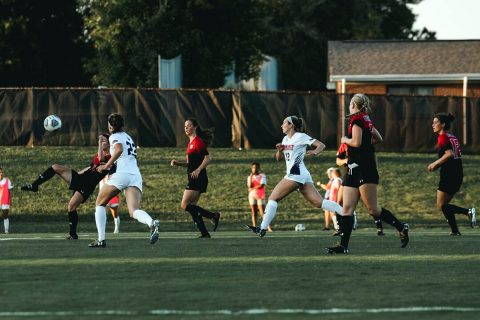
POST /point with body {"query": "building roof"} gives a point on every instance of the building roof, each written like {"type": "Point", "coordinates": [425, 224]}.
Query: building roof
{"type": "Point", "coordinates": [432, 60]}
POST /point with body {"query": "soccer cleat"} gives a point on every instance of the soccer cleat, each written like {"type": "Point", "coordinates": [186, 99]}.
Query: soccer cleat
{"type": "Point", "coordinates": [257, 230]}
{"type": "Point", "coordinates": [337, 250]}
{"type": "Point", "coordinates": [29, 187]}
{"type": "Point", "coordinates": [254, 229]}
{"type": "Point", "coordinates": [380, 232]}
{"type": "Point", "coordinates": [404, 239]}
{"type": "Point", "coordinates": [98, 244]}
{"type": "Point", "coordinates": [70, 237]}
{"type": "Point", "coordinates": [154, 234]}
{"type": "Point", "coordinates": [204, 236]}
{"type": "Point", "coordinates": [216, 220]}
{"type": "Point", "coordinates": [472, 214]}
{"type": "Point", "coordinates": [262, 233]}
{"type": "Point", "coordinates": [116, 231]}
{"type": "Point", "coordinates": [455, 233]}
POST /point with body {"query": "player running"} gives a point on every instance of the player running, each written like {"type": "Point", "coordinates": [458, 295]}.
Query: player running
{"type": "Point", "coordinates": [197, 159]}
{"type": "Point", "coordinates": [126, 176]}
{"type": "Point", "coordinates": [362, 178]}
{"type": "Point", "coordinates": [451, 172]}
{"type": "Point", "coordinates": [82, 183]}
{"type": "Point", "coordinates": [294, 148]}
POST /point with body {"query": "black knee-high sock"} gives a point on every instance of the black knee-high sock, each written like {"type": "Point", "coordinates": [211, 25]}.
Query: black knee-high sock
{"type": "Point", "coordinates": [203, 212]}
{"type": "Point", "coordinates": [449, 214]}
{"type": "Point", "coordinates": [389, 218]}
{"type": "Point", "coordinates": [346, 227]}
{"type": "Point", "coordinates": [73, 222]}
{"type": "Point", "coordinates": [453, 209]}
{"type": "Point", "coordinates": [197, 218]}
{"type": "Point", "coordinates": [378, 222]}
{"type": "Point", "coordinates": [44, 177]}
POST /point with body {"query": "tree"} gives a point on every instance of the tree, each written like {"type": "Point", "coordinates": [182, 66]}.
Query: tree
{"type": "Point", "coordinates": [211, 36]}
{"type": "Point", "coordinates": [41, 44]}
{"type": "Point", "coordinates": [301, 30]}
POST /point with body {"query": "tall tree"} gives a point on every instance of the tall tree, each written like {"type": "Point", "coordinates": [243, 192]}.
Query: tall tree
{"type": "Point", "coordinates": [301, 30]}
{"type": "Point", "coordinates": [211, 35]}
{"type": "Point", "coordinates": [41, 43]}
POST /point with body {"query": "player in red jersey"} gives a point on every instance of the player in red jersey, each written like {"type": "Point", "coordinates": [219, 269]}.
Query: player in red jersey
{"type": "Point", "coordinates": [256, 182]}
{"type": "Point", "coordinates": [197, 159]}
{"type": "Point", "coordinates": [82, 183]}
{"type": "Point", "coordinates": [451, 172]}
{"type": "Point", "coordinates": [362, 178]}
{"type": "Point", "coordinates": [5, 197]}
{"type": "Point", "coordinates": [342, 159]}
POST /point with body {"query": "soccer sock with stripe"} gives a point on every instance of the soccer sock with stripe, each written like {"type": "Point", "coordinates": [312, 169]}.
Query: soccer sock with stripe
{"type": "Point", "coordinates": [270, 212]}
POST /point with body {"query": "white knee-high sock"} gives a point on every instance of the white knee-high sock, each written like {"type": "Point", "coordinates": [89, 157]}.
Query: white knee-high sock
{"type": "Point", "coordinates": [270, 211]}
{"type": "Point", "coordinates": [100, 221]}
{"type": "Point", "coordinates": [332, 206]}
{"type": "Point", "coordinates": [143, 217]}
{"type": "Point", "coordinates": [117, 222]}
{"type": "Point", "coordinates": [6, 224]}
{"type": "Point", "coordinates": [335, 222]}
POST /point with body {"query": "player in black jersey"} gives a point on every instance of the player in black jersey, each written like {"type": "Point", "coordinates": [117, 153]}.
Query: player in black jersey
{"type": "Point", "coordinates": [196, 163]}
{"type": "Point", "coordinates": [451, 172]}
{"type": "Point", "coordinates": [82, 183]}
{"type": "Point", "coordinates": [362, 178]}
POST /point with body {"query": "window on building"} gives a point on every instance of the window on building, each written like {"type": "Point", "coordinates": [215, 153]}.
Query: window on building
{"type": "Point", "coordinates": [411, 90]}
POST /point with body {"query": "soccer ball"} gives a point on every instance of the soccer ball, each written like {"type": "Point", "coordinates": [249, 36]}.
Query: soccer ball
{"type": "Point", "coordinates": [300, 227]}
{"type": "Point", "coordinates": [52, 123]}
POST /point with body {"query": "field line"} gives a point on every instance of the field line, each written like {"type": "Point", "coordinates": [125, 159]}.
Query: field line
{"type": "Point", "coordinates": [237, 312]}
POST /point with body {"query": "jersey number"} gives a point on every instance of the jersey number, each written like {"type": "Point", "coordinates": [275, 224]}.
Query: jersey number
{"type": "Point", "coordinates": [132, 148]}
{"type": "Point", "coordinates": [287, 156]}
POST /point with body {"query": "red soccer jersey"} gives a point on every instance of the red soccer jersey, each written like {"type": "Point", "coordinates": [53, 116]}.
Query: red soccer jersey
{"type": "Point", "coordinates": [196, 151]}
{"type": "Point", "coordinates": [447, 141]}
{"type": "Point", "coordinates": [365, 153]}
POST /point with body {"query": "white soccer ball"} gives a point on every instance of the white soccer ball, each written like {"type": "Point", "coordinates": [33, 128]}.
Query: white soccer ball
{"type": "Point", "coordinates": [52, 123]}
{"type": "Point", "coordinates": [300, 227]}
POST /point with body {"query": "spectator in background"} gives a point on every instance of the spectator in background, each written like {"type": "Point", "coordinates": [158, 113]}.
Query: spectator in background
{"type": "Point", "coordinates": [327, 187]}
{"type": "Point", "coordinates": [5, 199]}
{"type": "Point", "coordinates": [256, 183]}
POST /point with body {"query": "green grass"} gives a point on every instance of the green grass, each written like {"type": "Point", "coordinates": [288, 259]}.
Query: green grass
{"type": "Point", "coordinates": [406, 188]}
{"type": "Point", "coordinates": [236, 272]}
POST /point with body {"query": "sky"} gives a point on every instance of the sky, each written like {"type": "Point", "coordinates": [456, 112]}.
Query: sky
{"type": "Point", "coordinates": [451, 19]}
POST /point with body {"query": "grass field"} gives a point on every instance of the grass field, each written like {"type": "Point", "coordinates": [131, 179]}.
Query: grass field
{"type": "Point", "coordinates": [235, 274]}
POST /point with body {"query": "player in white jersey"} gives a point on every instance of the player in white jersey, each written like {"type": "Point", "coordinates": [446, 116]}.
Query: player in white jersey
{"type": "Point", "coordinates": [294, 148]}
{"type": "Point", "coordinates": [126, 176]}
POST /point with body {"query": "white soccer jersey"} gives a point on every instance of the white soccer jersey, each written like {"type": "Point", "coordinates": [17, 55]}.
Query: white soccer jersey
{"type": "Point", "coordinates": [294, 149]}
{"type": "Point", "coordinates": [127, 162]}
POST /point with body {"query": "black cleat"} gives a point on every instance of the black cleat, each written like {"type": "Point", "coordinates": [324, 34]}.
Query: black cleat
{"type": "Point", "coordinates": [29, 187]}
{"type": "Point", "coordinates": [337, 250]}
{"type": "Point", "coordinates": [216, 220]}
{"type": "Point", "coordinates": [70, 237]}
{"type": "Point", "coordinates": [254, 229]}
{"type": "Point", "coordinates": [380, 232]}
{"type": "Point", "coordinates": [98, 244]}
{"type": "Point", "coordinates": [257, 230]}
{"type": "Point", "coordinates": [205, 236]}
{"type": "Point", "coordinates": [404, 235]}
{"type": "Point", "coordinates": [455, 233]}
